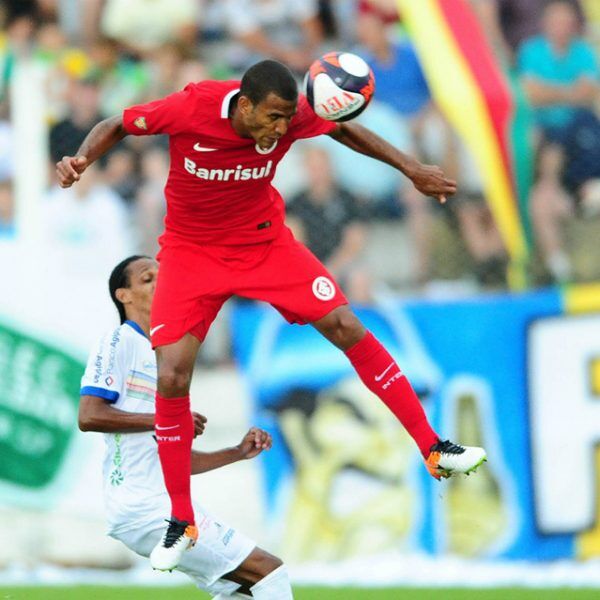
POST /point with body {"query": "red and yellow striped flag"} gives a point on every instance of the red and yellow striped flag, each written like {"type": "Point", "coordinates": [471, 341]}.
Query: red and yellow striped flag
{"type": "Point", "coordinates": [469, 86]}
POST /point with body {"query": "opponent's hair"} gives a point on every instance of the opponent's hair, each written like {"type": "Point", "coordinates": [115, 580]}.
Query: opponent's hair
{"type": "Point", "coordinates": [268, 76]}
{"type": "Point", "coordinates": [119, 278]}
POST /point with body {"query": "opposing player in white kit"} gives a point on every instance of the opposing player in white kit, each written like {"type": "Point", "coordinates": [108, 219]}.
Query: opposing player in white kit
{"type": "Point", "coordinates": [117, 398]}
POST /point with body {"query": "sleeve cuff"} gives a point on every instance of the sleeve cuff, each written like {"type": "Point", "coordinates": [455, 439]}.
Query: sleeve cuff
{"type": "Point", "coordinates": [108, 395]}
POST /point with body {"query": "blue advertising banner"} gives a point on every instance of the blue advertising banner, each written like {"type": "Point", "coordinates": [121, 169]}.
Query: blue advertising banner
{"type": "Point", "coordinates": [344, 479]}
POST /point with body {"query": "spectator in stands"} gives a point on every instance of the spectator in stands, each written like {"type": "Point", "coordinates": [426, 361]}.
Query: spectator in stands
{"type": "Point", "coordinates": [165, 64]}
{"type": "Point", "coordinates": [123, 81]}
{"type": "Point", "coordinates": [401, 85]}
{"type": "Point", "coordinates": [7, 210]}
{"type": "Point", "coordinates": [475, 222]}
{"type": "Point", "coordinates": [87, 228]}
{"type": "Point", "coordinates": [144, 25]}
{"type": "Point", "coordinates": [84, 112]}
{"type": "Point", "coordinates": [150, 199]}
{"type": "Point", "coordinates": [560, 76]}
{"type": "Point", "coordinates": [286, 30]}
{"type": "Point", "coordinates": [120, 173]}
{"type": "Point", "coordinates": [323, 206]}
{"type": "Point", "coordinates": [6, 146]}
{"type": "Point", "coordinates": [551, 205]}
{"type": "Point", "coordinates": [558, 70]}
{"type": "Point", "coordinates": [508, 23]}
{"type": "Point", "coordinates": [400, 79]}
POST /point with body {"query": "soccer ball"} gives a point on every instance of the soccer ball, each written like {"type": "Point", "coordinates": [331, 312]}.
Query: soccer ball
{"type": "Point", "coordinates": [339, 86]}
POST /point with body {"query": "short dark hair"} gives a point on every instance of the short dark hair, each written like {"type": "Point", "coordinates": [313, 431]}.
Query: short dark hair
{"type": "Point", "coordinates": [119, 278]}
{"type": "Point", "coordinates": [268, 76]}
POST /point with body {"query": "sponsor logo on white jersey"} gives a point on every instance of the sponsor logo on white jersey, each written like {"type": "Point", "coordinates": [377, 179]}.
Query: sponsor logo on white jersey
{"type": "Point", "coordinates": [239, 173]}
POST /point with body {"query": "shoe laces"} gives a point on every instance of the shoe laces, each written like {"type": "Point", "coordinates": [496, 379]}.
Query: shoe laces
{"type": "Point", "coordinates": [175, 530]}
{"type": "Point", "coordinates": [447, 447]}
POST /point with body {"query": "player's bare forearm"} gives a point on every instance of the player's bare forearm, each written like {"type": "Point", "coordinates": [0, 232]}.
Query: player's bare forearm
{"type": "Point", "coordinates": [102, 138]}
{"type": "Point", "coordinates": [252, 444]}
{"type": "Point", "coordinates": [96, 415]}
{"type": "Point", "coordinates": [208, 461]}
{"type": "Point", "coordinates": [97, 142]}
{"type": "Point", "coordinates": [428, 179]}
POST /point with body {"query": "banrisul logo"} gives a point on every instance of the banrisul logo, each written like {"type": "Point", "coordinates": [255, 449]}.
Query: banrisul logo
{"type": "Point", "coordinates": [239, 173]}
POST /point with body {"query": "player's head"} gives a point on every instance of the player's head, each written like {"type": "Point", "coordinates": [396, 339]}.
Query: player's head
{"type": "Point", "coordinates": [131, 285]}
{"type": "Point", "coordinates": [560, 22]}
{"type": "Point", "coordinates": [267, 102]}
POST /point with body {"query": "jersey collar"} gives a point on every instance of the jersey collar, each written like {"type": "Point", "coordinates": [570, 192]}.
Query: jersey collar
{"type": "Point", "coordinates": [135, 326]}
{"type": "Point", "coordinates": [227, 102]}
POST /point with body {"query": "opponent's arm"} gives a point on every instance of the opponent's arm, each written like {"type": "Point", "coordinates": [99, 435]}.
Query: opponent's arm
{"type": "Point", "coordinates": [98, 141]}
{"type": "Point", "coordinates": [95, 414]}
{"type": "Point", "coordinates": [428, 179]}
{"type": "Point", "coordinates": [252, 444]}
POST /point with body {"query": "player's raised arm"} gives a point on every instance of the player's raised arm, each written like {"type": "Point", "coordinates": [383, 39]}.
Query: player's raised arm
{"type": "Point", "coordinates": [98, 141]}
{"type": "Point", "coordinates": [428, 179]}
{"type": "Point", "coordinates": [252, 444]}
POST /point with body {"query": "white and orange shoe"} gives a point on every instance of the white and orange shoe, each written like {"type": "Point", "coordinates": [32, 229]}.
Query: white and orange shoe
{"type": "Point", "coordinates": [178, 537]}
{"type": "Point", "coordinates": [446, 459]}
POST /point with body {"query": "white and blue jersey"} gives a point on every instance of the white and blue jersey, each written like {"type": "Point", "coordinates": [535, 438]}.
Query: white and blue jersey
{"type": "Point", "coordinates": [122, 371]}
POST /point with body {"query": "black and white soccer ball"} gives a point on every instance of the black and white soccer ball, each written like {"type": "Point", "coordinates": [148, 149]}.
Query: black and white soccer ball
{"type": "Point", "coordinates": [339, 86]}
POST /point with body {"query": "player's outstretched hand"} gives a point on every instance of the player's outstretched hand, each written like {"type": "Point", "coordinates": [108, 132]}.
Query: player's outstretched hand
{"type": "Point", "coordinates": [431, 181]}
{"type": "Point", "coordinates": [254, 442]}
{"type": "Point", "coordinates": [199, 423]}
{"type": "Point", "coordinates": [69, 170]}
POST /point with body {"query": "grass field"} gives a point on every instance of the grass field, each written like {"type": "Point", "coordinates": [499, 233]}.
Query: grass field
{"type": "Point", "coordinates": [300, 593]}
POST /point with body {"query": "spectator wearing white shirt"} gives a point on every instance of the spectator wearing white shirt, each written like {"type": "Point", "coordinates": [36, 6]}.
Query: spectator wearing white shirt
{"type": "Point", "coordinates": [86, 228]}
{"type": "Point", "coordinates": [144, 25]}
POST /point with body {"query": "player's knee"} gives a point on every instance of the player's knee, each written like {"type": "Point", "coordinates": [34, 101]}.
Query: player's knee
{"type": "Point", "coordinates": [342, 327]}
{"type": "Point", "coordinates": [271, 563]}
{"type": "Point", "coordinates": [173, 381]}
{"type": "Point", "coordinates": [259, 564]}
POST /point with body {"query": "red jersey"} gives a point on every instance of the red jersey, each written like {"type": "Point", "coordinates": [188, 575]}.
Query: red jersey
{"type": "Point", "coordinates": [219, 186]}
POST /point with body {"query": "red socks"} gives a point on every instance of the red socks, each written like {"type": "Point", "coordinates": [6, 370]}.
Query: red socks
{"type": "Point", "coordinates": [174, 428]}
{"type": "Point", "coordinates": [380, 373]}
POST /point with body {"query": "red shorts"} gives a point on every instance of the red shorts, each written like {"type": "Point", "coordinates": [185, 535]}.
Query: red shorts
{"type": "Point", "coordinates": [195, 280]}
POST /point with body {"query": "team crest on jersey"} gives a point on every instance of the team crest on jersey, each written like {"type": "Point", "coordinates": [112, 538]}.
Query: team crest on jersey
{"type": "Point", "coordinates": [140, 123]}
{"type": "Point", "coordinates": [323, 288]}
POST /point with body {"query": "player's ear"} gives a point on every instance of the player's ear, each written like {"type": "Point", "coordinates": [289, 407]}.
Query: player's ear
{"type": "Point", "coordinates": [245, 105]}
{"type": "Point", "coordinates": [123, 295]}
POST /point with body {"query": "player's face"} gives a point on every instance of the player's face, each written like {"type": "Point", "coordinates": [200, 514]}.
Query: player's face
{"type": "Point", "coordinates": [142, 282]}
{"type": "Point", "coordinates": [268, 120]}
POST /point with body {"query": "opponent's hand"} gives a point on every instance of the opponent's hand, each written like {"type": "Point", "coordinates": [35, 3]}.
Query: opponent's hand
{"type": "Point", "coordinates": [69, 170]}
{"type": "Point", "coordinates": [254, 442]}
{"type": "Point", "coordinates": [199, 423]}
{"type": "Point", "coordinates": [431, 181]}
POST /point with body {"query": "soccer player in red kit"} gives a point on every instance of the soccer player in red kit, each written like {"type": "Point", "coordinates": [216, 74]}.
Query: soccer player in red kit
{"type": "Point", "coordinates": [225, 235]}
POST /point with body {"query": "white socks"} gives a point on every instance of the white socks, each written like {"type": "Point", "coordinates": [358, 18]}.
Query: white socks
{"type": "Point", "coordinates": [275, 586]}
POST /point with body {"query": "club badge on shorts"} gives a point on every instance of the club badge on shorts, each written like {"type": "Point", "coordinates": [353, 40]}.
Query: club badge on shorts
{"type": "Point", "coordinates": [323, 288]}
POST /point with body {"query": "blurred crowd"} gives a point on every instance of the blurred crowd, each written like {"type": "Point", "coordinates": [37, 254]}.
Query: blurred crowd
{"type": "Point", "coordinates": [103, 55]}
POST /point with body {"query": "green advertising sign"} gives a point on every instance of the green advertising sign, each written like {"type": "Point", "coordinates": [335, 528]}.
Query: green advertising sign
{"type": "Point", "coordinates": [39, 396]}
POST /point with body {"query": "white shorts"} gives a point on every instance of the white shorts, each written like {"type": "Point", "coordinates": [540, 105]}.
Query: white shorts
{"type": "Point", "coordinates": [219, 550]}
